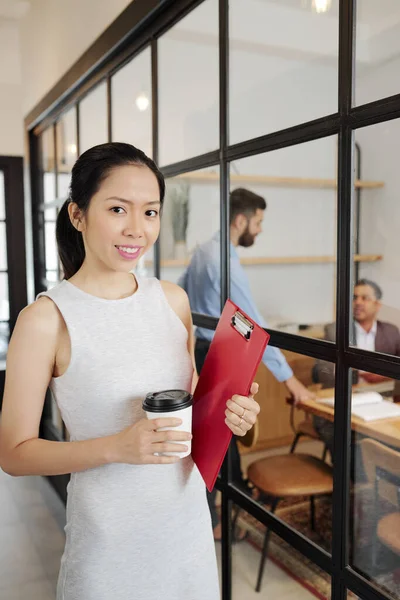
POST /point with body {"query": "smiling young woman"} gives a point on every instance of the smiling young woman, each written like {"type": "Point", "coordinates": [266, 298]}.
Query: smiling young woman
{"type": "Point", "coordinates": [102, 339]}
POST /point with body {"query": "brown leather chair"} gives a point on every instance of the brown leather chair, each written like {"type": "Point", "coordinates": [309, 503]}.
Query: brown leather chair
{"type": "Point", "coordinates": [289, 475]}
{"type": "Point", "coordinates": [305, 428]}
{"type": "Point", "coordinates": [382, 466]}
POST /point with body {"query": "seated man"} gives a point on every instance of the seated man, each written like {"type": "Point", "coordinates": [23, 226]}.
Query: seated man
{"type": "Point", "coordinates": [368, 334]}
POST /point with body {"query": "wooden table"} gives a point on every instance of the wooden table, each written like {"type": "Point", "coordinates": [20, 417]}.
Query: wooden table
{"type": "Point", "coordinates": [384, 430]}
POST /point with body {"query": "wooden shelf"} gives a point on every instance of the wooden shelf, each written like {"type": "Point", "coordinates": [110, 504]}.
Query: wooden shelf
{"type": "Point", "coordinates": [276, 260]}
{"type": "Point", "coordinates": [277, 181]}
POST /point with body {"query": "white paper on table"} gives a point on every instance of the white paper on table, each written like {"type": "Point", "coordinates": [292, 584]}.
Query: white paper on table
{"type": "Point", "coordinates": [357, 399]}
{"type": "Point", "coordinates": [378, 410]}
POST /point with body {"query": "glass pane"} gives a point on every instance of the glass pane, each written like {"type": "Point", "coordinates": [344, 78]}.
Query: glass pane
{"type": "Point", "coordinates": [2, 197]}
{"type": "Point", "coordinates": [48, 166]}
{"type": "Point", "coordinates": [4, 303]}
{"type": "Point", "coordinates": [93, 119]}
{"type": "Point", "coordinates": [283, 481]}
{"type": "Point", "coordinates": [47, 147]}
{"type": "Point", "coordinates": [188, 86]}
{"type": "Point", "coordinates": [283, 65]}
{"type": "Point", "coordinates": [375, 496]}
{"type": "Point", "coordinates": [51, 247]}
{"type": "Point", "coordinates": [66, 151]}
{"type": "Point", "coordinates": [64, 180]}
{"type": "Point", "coordinates": [377, 50]}
{"type": "Point", "coordinates": [51, 278]}
{"type": "Point", "coordinates": [287, 573]}
{"type": "Point", "coordinates": [131, 103]}
{"type": "Point", "coordinates": [49, 194]}
{"type": "Point", "coordinates": [190, 246]}
{"type": "Point", "coordinates": [289, 246]}
{"type": "Point", "coordinates": [376, 305]}
{"type": "Point", "coordinates": [3, 246]}
{"type": "Point", "coordinates": [4, 338]}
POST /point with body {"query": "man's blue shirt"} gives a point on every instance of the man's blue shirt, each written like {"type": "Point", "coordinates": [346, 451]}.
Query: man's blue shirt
{"type": "Point", "coordinates": [201, 281]}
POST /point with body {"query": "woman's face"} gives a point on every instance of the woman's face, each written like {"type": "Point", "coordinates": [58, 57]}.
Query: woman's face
{"type": "Point", "coordinates": [123, 219]}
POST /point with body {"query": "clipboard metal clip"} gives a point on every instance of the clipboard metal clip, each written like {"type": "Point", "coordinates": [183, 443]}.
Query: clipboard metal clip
{"type": "Point", "coordinates": [242, 325]}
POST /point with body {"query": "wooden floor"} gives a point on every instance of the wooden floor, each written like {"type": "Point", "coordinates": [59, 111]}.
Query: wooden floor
{"type": "Point", "coordinates": [31, 524]}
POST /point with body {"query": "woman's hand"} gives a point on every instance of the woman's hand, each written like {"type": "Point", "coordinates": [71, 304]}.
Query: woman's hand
{"type": "Point", "coordinates": [242, 411]}
{"type": "Point", "coordinates": [139, 443]}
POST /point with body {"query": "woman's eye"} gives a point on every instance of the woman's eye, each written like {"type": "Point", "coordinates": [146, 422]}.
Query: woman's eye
{"type": "Point", "coordinates": [151, 213]}
{"type": "Point", "coordinates": [118, 210]}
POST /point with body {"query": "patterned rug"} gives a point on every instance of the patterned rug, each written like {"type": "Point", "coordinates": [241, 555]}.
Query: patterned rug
{"type": "Point", "coordinates": [297, 514]}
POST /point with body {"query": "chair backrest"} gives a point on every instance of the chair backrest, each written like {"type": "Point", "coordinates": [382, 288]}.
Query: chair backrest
{"type": "Point", "coordinates": [250, 440]}
{"type": "Point", "coordinates": [315, 387]}
{"type": "Point", "coordinates": [377, 456]}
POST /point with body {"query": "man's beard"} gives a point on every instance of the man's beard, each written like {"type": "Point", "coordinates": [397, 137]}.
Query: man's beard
{"type": "Point", "coordinates": [246, 239]}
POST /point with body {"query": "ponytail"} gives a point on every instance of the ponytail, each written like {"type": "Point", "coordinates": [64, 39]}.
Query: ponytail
{"type": "Point", "coordinates": [70, 243]}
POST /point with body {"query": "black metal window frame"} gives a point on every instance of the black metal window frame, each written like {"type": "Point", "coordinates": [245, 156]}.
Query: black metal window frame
{"type": "Point", "coordinates": [13, 169]}
{"type": "Point", "coordinates": [139, 26]}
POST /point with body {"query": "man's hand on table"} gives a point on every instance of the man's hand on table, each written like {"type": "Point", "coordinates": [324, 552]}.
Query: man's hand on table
{"type": "Point", "coordinates": [298, 391]}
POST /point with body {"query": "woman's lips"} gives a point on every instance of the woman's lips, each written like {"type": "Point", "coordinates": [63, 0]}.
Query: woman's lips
{"type": "Point", "coordinates": [129, 252]}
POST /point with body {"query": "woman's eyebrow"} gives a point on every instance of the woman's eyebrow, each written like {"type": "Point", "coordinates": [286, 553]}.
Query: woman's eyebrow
{"type": "Point", "coordinates": [153, 202]}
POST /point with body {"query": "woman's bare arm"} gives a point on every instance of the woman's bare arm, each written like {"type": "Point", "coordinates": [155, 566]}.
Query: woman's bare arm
{"type": "Point", "coordinates": [179, 301]}
{"type": "Point", "coordinates": [30, 364]}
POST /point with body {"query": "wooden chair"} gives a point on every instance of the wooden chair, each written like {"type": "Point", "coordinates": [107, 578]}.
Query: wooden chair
{"type": "Point", "coordinates": [284, 476]}
{"type": "Point", "coordinates": [382, 464]}
{"type": "Point", "coordinates": [304, 428]}
{"type": "Point", "coordinates": [249, 440]}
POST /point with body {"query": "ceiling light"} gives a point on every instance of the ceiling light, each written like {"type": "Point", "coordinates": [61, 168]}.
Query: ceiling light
{"type": "Point", "coordinates": [72, 148]}
{"type": "Point", "coordinates": [321, 6]}
{"type": "Point", "coordinates": [142, 102]}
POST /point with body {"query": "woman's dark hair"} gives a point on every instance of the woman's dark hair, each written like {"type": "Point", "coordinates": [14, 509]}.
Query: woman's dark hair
{"type": "Point", "coordinates": [89, 171]}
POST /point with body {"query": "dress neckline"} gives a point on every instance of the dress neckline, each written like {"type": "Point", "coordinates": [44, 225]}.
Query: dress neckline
{"type": "Point", "coordinates": [137, 292]}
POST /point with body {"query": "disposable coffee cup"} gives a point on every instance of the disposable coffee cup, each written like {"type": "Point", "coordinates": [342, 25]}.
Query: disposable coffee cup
{"type": "Point", "coordinates": [171, 403]}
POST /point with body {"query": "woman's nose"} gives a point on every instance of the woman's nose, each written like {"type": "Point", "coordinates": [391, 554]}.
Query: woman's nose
{"type": "Point", "coordinates": [134, 226]}
{"type": "Point", "coordinates": [134, 229]}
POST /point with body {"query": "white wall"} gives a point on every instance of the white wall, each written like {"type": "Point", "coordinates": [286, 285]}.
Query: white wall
{"type": "Point", "coordinates": [11, 113]}
{"type": "Point", "coordinates": [54, 35]}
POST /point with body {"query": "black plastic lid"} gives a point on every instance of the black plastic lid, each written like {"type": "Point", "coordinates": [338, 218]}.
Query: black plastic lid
{"type": "Point", "coordinates": [167, 401]}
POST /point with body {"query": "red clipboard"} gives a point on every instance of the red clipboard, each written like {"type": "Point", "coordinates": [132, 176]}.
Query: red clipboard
{"type": "Point", "coordinates": [229, 368]}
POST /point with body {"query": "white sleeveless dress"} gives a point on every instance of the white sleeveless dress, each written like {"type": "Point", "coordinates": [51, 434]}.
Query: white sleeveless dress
{"type": "Point", "coordinates": [134, 532]}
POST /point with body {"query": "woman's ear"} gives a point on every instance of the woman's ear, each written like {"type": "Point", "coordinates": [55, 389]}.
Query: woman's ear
{"type": "Point", "coordinates": [76, 216]}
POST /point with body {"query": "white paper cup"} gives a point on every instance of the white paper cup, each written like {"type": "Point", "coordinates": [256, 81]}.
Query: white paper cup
{"type": "Point", "coordinates": [176, 404]}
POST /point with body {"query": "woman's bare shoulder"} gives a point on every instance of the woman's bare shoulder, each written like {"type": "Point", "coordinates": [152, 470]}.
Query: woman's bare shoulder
{"type": "Point", "coordinates": [42, 316]}
{"type": "Point", "coordinates": [177, 298]}
{"type": "Point", "coordinates": [174, 290]}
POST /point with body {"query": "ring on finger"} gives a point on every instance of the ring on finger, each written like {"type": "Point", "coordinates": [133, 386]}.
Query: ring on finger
{"type": "Point", "coordinates": [240, 422]}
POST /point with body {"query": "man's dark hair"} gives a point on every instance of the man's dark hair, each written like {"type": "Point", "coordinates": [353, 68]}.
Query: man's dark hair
{"type": "Point", "coordinates": [244, 202]}
{"type": "Point", "coordinates": [373, 285]}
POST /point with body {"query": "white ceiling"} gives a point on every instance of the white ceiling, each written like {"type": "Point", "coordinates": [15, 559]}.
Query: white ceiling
{"type": "Point", "coordinates": [14, 9]}
{"type": "Point", "coordinates": [368, 11]}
